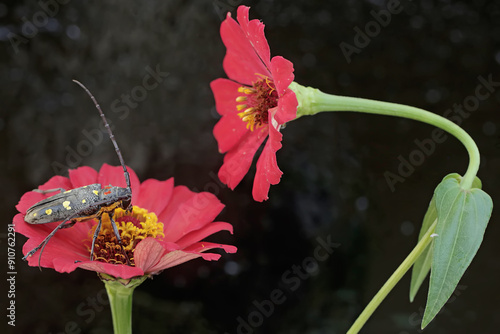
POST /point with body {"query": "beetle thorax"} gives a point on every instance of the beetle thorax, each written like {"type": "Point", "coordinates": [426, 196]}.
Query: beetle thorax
{"type": "Point", "coordinates": [116, 194]}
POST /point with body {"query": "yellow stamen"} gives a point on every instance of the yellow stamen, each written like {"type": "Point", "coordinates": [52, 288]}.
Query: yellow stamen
{"type": "Point", "coordinates": [246, 90]}
{"type": "Point", "coordinates": [241, 106]}
{"type": "Point", "coordinates": [247, 112]}
{"type": "Point", "coordinates": [247, 118]}
{"type": "Point", "coordinates": [268, 83]}
{"type": "Point", "coordinates": [241, 98]}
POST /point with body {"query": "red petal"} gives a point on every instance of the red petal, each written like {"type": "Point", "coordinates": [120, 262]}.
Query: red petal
{"type": "Point", "coordinates": [60, 255]}
{"type": "Point", "coordinates": [203, 232]}
{"type": "Point", "coordinates": [177, 257]}
{"type": "Point", "coordinates": [210, 256]}
{"type": "Point", "coordinates": [275, 136]}
{"type": "Point", "coordinates": [149, 252]}
{"type": "Point", "coordinates": [154, 256]}
{"type": "Point", "coordinates": [225, 93]}
{"type": "Point", "coordinates": [66, 244]}
{"type": "Point", "coordinates": [267, 168]}
{"type": "Point", "coordinates": [230, 128]}
{"type": "Point", "coordinates": [205, 246]}
{"type": "Point", "coordinates": [282, 73]}
{"type": "Point", "coordinates": [190, 215]}
{"type": "Point", "coordinates": [113, 175]}
{"type": "Point", "coordinates": [66, 264]}
{"type": "Point", "coordinates": [115, 270]}
{"type": "Point", "coordinates": [287, 107]}
{"type": "Point", "coordinates": [238, 160]}
{"type": "Point", "coordinates": [82, 176]}
{"type": "Point", "coordinates": [180, 194]}
{"type": "Point", "coordinates": [172, 259]}
{"type": "Point", "coordinates": [229, 131]}
{"type": "Point", "coordinates": [155, 195]}
{"type": "Point", "coordinates": [254, 31]}
{"type": "Point", "coordinates": [241, 62]}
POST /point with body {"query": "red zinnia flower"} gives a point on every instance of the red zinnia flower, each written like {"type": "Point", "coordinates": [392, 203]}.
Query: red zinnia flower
{"type": "Point", "coordinates": [164, 229]}
{"type": "Point", "coordinates": [254, 104]}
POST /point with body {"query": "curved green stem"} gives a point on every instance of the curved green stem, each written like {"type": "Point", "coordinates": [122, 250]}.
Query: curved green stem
{"type": "Point", "coordinates": [312, 101]}
{"type": "Point", "coordinates": [393, 280]}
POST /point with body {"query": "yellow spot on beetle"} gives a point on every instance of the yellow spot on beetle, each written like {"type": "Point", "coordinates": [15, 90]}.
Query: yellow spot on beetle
{"type": "Point", "coordinates": [66, 205]}
{"type": "Point", "coordinates": [67, 191]}
{"type": "Point", "coordinates": [48, 212]}
{"type": "Point", "coordinates": [34, 214]}
{"type": "Point", "coordinates": [84, 201]}
{"type": "Point", "coordinates": [95, 192]}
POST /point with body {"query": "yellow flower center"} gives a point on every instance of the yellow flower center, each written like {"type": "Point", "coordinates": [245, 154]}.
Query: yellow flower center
{"type": "Point", "coordinates": [133, 227]}
{"type": "Point", "coordinates": [257, 100]}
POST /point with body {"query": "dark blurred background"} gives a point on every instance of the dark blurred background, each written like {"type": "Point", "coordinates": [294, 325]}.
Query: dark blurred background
{"type": "Point", "coordinates": [430, 55]}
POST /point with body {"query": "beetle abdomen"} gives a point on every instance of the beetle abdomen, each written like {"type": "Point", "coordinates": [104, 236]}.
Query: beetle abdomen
{"type": "Point", "coordinates": [64, 205]}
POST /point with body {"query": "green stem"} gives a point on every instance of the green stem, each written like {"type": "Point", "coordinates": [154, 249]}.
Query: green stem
{"type": "Point", "coordinates": [393, 280]}
{"type": "Point", "coordinates": [120, 294]}
{"type": "Point", "coordinates": [313, 101]}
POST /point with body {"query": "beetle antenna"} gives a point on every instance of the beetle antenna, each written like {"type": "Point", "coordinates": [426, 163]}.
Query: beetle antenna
{"type": "Point", "coordinates": [111, 136]}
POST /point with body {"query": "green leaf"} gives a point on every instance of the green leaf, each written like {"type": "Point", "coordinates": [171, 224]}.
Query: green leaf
{"type": "Point", "coordinates": [423, 264]}
{"type": "Point", "coordinates": [463, 215]}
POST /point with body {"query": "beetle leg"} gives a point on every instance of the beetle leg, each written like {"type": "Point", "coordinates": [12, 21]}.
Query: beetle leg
{"type": "Point", "coordinates": [46, 240]}
{"type": "Point", "coordinates": [70, 224]}
{"type": "Point", "coordinates": [117, 234]}
{"type": "Point", "coordinates": [96, 233]}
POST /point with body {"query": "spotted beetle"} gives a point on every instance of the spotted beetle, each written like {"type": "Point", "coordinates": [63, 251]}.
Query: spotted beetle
{"type": "Point", "coordinates": [81, 204]}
